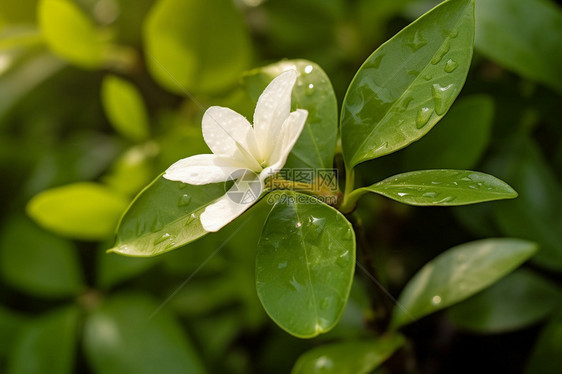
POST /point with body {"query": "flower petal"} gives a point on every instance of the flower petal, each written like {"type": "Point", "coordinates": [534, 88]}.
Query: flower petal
{"type": "Point", "coordinates": [272, 110]}
{"type": "Point", "coordinates": [289, 134]}
{"type": "Point", "coordinates": [230, 135]}
{"type": "Point", "coordinates": [204, 169]}
{"type": "Point", "coordinates": [235, 202]}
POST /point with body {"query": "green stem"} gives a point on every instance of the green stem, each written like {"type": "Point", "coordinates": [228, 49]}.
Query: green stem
{"type": "Point", "coordinates": [350, 195]}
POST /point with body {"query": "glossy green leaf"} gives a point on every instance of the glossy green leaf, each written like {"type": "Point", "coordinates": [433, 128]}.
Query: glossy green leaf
{"type": "Point", "coordinates": [46, 345]}
{"type": "Point", "coordinates": [124, 336]}
{"type": "Point", "coordinates": [124, 107]}
{"type": "Point", "coordinates": [523, 36]}
{"type": "Point", "coordinates": [406, 86]}
{"type": "Point", "coordinates": [520, 299]}
{"type": "Point", "coordinates": [443, 188]}
{"type": "Point", "coordinates": [458, 274]}
{"type": "Point", "coordinates": [86, 211]}
{"type": "Point", "coordinates": [70, 33]}
{"type": "Point", "coordinates": [537, 214]}
{"type": "Point", "coordinates": [164, 216]}
{"type": "Point", "coordinates": [313, 92]}
{"type": "Point", "coordinates": [460, 139]}
{"type": "Point", "coordinates": [305, 264]}
{"type": "Point", "coordinates": [38, 262]}
{"type": "Point", "coordinates": [546, 357]}
{"type": "Point", "coordinates": [188, 50]}
{"type": "Point", "coordinates": [351, 357]}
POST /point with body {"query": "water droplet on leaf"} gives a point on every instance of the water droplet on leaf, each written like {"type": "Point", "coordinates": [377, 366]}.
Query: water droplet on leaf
{"type": "Point", "coordinates": [441, 52]}
{"type": "Point", "coordinates": [423, 117]}
{"type": "Point", "coordinates": [450, 66]}
{"type": "Point", "coordinates": [442, 97]}
{"type": "Point", "coordinates": [416, 41]}
{"type": "Point", "coordinates": [157, 224]}
{"type": "Point", "coordinates": [162, 238]}
{"type": "Point", "coordinates": [184, 200]}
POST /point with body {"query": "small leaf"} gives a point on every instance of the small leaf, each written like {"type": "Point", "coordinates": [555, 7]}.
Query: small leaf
{"type": "Point", "coordinates": [313, 92]}
{"type": "Point", "coordinates": [125, 109]}
{"type": "Point", "coordinates": [460, 139]}
{"type": "Point", "coordinates": [443, 188]}
{"type": "Point", "coordinates": [86, 211]}
{"type": "Point", "coordinates": [352, 357]}
{"type": "Point", "coordinates": [458, 274]}
{"type": "Point", "coordinates": [70, 34]}
{"type": "Point", "coordinates": [305, 264]}
{"type": "Point", "coordinates": [164, 216]}
{"type": "Point", "coordinates": [125, 336]}
{"type": "Point", "coordinates": [180, 56]}
{"type": "Point", "coordinates": [546, 357]}
{"type": "Point", "coordinates": [408, 84]}
{"type": "Point", "coordinates": [524, 36]}
{"type": "Point", "coordinates": [46, 345]}
{"type": "Point", "coordinates": [38, 262]}
{"type": "Point", "coordinates": [520, 299]}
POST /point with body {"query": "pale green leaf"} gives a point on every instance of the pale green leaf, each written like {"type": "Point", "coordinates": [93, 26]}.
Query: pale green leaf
{"type": "Point", "coordinates": [124, 107]}
{"type": "Point", "coordinates": [70, 33]}
{"type": "Point", "coordinates": [86, 210]}
{"type": "Point", "coordinates": [196, 45]}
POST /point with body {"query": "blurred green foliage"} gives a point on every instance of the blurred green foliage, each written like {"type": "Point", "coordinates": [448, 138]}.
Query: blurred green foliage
{"type": "Point", "coordinates": [73, 73]}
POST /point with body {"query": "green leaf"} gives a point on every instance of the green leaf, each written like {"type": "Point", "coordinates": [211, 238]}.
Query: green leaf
{"type": "Point", "coordinates": [133, 170]}
{"type": "Point", "coordinates": [546, 358]}
{"type": "Point", "coordinates": [406, 86]}
{"type": "Point", "coordinates": [86, 211]}
{"type": "Point", "coordinates": [185, 51]}
{"type": "Point", "coordinates": [313, 92]}
{"type": "Point", "coordinates": [442, 188]}
{"type": "Point", "coordinates": [113, 269]}
{"type": "Point", "coordinates": [460, 139]}
{"type": "Point", "coordinates": [520, 299]}
{"type": "Point", "coordinates": [46, 345]}
{"type": "Point", "coordinates": [164, 216]}
{"type": "Point", "coordinates": [70, 34]}
{"type": "Point", "coordinates": [38, 262]}
{"type": "Point", "coordinates": [11, 323]}
{"type": "Point", "coordinates": [352, 357]}
{"type": "Point", "coordinates": [458, 274]}
{"type": "Point", "coordinates": [125, 335]}
{"type": "Point", "coordinates": [537, 214]}
{"type": "Point", "coordinates": [124, 107]}
{"type": "Point", "coordinates": [523, 36]}
{"type": "Point", "coordinates": [305, 264]}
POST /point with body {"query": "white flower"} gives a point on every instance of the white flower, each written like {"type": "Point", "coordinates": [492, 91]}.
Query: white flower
{"type": "Point", "coordinates": [239, 147]}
